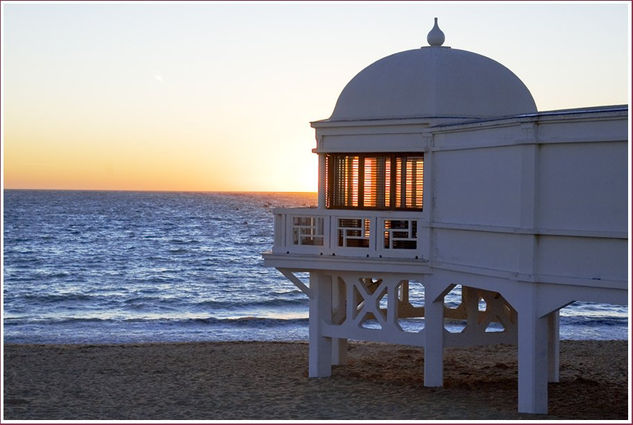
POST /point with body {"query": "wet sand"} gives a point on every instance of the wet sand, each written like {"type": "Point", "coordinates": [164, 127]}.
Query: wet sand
{"type": "Point", "coordinates": [269, 380]}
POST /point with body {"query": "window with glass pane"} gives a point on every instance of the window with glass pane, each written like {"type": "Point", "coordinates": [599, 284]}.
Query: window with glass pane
{"type": "Point", "coordinates": [375, 181]}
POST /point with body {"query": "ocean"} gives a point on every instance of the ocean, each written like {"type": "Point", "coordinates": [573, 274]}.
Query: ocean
{"type": "Point", "coordinates": [121, 267]}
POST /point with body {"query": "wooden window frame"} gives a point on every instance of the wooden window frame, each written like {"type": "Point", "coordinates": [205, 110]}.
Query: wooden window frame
{"type": "Point", "coordinates": [340, 187]}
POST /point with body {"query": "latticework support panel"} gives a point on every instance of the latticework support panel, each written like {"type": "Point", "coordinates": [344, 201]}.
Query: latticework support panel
{"type": "Point", "coordinates": [370, 308]}
{"type": "Point", "coordinates": [386, 308]}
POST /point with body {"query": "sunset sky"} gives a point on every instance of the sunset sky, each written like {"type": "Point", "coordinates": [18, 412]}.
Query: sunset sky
{"type": "Point", "coordinates": [219, 96]}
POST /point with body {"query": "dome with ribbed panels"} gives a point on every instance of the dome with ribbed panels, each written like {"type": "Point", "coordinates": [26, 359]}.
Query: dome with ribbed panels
{"type": "Point", "coordinates": [433, 82]}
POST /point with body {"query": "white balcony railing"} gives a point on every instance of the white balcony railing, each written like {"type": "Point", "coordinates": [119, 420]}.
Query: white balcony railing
{"type": "Point", "coordinates": [357, 233]}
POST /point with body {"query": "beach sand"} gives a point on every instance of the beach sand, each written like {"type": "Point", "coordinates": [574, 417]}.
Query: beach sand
{"type": "Point", "coordinates": [269, 380]}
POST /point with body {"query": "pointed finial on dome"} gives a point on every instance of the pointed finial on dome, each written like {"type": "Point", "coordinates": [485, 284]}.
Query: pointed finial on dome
{"type": "Point", "coordinates": [435, 37]}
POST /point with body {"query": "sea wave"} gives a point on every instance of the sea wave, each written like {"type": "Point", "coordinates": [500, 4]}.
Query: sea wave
{"type": "Point", "coordinates": [245, 321]}
{"type": "Point", "coordinates": [275, 302]}
{"type": "Point", "coordinates": [594, 322]}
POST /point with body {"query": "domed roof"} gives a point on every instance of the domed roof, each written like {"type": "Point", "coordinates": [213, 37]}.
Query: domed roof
{"type": "Point", "coordinates": [433, 82]}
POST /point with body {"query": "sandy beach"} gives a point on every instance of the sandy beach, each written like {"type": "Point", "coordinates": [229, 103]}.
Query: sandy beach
{"type": "Point", "coordinates": [269, 380]}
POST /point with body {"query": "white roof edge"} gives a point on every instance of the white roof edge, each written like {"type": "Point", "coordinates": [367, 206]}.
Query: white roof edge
{"type": "Point", "coordinates": [453, 121]}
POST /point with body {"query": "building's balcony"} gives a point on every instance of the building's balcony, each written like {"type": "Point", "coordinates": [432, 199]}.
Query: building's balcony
{"type": "Point", "coordinates": [349, 233]}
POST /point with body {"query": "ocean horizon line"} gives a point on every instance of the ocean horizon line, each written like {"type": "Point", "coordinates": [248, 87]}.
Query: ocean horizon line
{"type": "Point", "coordinates": [157, 190]}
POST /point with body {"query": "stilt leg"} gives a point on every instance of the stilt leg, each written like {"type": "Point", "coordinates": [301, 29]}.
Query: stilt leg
{"type": "Point", "coordinates": [533, 364]}
{"type": "Point", "coordinates": [554, 346]}
{"type": "Point", "coordinates": [339, 345]}
{"type": "Point", "coordinates": [320, 351]}
{"type": "Point", "coordinates": [339, 351]}
{"type": "Point", "coordinates": [434, 339]}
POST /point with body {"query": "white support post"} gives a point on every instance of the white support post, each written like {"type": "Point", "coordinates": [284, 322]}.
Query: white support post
{"type": "Point", "coordinates": [433, 337]}
{"type": "Point", "coordinates": [392, 304]}
{"type": "Point", "coordinates": [533, 363]}
{"type": "Point", "coordinates": [339, 345]}
{"type": "Point", "coordinates": [553, 322]}
{"type": "Point", "coordinates": [339, 351]}
{"type": "Point", "coordinates": [320, 351]}
{"type": "Point", "coordinates": [322, 189]}
{"type": "Point", "coordinates": [470, 301]}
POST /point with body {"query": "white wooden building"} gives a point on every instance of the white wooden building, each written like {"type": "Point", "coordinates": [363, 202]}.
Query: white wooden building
{"type": "Point", "coordinates": [436, 169]}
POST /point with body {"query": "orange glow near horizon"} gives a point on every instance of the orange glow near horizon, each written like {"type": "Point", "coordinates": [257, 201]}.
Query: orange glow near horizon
{"type": "Point", "coordinates": [149, 154]}
{"type": "Point", "coordinates": [74, 165]}
{"type": "Point", "coordinates": [38, 172]}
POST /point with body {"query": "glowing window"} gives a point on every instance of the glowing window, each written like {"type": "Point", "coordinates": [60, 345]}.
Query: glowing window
{"type": "Point", "coordinates": [375, 181]}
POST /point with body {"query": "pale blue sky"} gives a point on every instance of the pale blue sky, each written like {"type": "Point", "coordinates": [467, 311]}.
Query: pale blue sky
{"type": "Point", "coordinates": [189, 87]}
